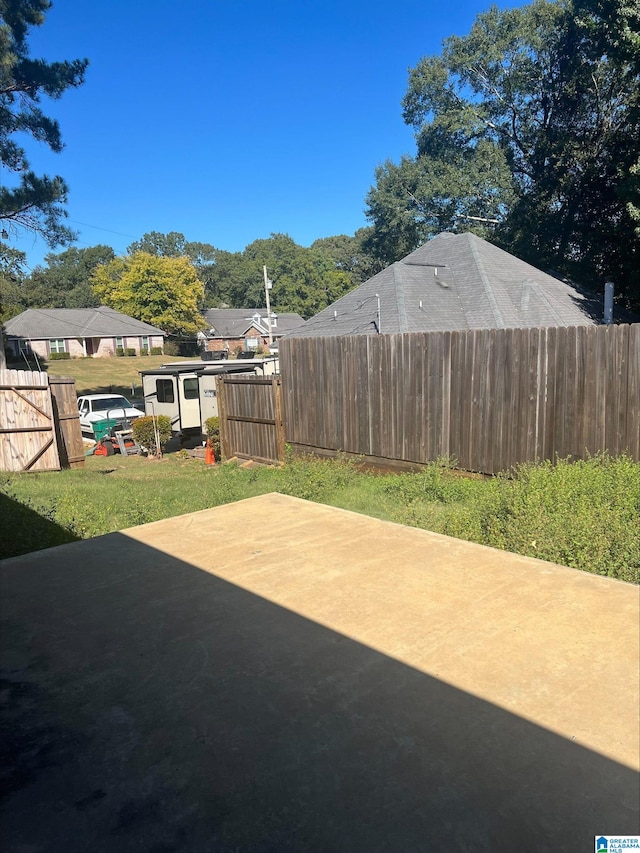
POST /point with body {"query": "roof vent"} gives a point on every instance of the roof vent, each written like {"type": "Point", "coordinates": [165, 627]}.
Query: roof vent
{"type": "Point", "coordinates": [439, 280]}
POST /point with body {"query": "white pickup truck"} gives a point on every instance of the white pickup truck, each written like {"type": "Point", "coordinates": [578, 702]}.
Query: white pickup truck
{"type": "Point", "coordinates": [98, 407]}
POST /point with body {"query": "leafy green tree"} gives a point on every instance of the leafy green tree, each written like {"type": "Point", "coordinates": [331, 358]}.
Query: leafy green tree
{"type": "Point", "coordinates": [30, 201]}
{"type": "Point", "coordinates": [165, 292]}
{"type": "Point", "coordinates": [350, 255]}
{"type": "Point", "coordinates": [12, 299]}
{"type": "Point", "coordinates": [203, 256]}
{"type": "Point", "coordinates": [175, 245]}
{"type": "Point", "coordinates": [527, 131]}
{"type": "Point", "coordinates": [305, 280]}
{"type": "Point", "coordinates": [171, 245]}
{"type": "Point", "coordinates": [65, 281]}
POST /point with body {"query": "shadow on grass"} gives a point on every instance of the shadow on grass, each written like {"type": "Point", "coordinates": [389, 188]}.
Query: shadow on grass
{"type": "Point", "coordinates": [153, 706]}
{"type": "Point", "coordinates": [23, 529]}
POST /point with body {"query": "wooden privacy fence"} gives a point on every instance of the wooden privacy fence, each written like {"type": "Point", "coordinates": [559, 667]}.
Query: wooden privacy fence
{"type": "Point", "coordinates": [250, 413]}
{"type": "Point", "coordinates": [490, 399]}
{"type": "Point", "coordinates": [39, 425]}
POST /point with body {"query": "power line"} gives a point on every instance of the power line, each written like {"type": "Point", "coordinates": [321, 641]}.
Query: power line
{"type": "Point", "coordinates": [98, 228]}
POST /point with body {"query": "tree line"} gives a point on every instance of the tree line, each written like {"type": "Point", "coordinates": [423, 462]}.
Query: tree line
{"type": "Point", "coordinates": [169, 281]}
{"type": "Point", "coordinates": [527, 132]}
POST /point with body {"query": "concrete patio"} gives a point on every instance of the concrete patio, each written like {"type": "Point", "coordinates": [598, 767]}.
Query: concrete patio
{"type": "Point", "coordinates": [277, 675]}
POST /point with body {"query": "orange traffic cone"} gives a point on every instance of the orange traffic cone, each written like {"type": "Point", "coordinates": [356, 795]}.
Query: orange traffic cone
{"type": "Point", "coordinates": [209, 455]}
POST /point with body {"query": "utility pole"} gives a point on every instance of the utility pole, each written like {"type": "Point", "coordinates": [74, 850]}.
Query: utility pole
{"type": "Point", "coordinates": [267, 287]}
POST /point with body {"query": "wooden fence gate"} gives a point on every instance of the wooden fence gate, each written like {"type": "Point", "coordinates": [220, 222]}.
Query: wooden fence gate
{"type": "Point", "coordinates": [250, 413]}
{"type": "Point", "coordinates": [39, 425]}
{"type": "Point", "coordinates": [27, 430]}
{"type": "Point", "coordinates": [65, 415]}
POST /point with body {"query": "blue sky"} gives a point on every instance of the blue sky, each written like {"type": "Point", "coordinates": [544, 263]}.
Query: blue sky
{"type": "Point", "coordinates": [231, 121]}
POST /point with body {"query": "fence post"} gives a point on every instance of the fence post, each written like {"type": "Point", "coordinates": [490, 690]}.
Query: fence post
{"type": "Point", "coordinates": [222, 419]}
{"type": "Point", "coordinates": [277, 407]}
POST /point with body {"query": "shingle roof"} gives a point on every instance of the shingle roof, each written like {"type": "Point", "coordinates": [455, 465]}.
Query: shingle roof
{"type": "Point", "coordinates": [234, 322]}
{"type": "Point", "coordinates": [44, 323]}
{"type": "Point", "coordinates": [455, 281]}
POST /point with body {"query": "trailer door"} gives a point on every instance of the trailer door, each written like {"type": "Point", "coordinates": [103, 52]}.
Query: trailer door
{"type": "Point", "coordinates": [208, 397]}
{"type": "Point", "coordinates": [189, 397]}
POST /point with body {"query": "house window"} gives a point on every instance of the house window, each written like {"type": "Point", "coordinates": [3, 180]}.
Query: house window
{"type": "Point", "coordinates": [190, 388]}
{"type": "Point", "coordinates": [57, 345]}
{"type": "Point", "coordinates": [164, 390]}
{"type": "Point", "coordinates": [119, 343]}
{"type": "Point", "coordinates": [145, 343]}
{"type": "Point", "coordinates": [252, 343]}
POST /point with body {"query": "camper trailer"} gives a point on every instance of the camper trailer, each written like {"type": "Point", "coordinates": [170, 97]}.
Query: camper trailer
{"type": "Point", "coordinates": [186, 390]}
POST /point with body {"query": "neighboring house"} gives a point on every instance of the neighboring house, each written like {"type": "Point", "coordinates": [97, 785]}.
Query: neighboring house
{"type": "Point", "coordinates": [81, 332]}
{"type": "Point", "coordinates": [455, 282]}
{"type": "Point", "coordinates": [245, 328]}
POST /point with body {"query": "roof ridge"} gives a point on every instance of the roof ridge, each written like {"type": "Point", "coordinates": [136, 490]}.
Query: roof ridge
{"type": "Point", "coordinates": [532, 285]}
{"type": "Point", "coordinates": [497, 314]}
{"type": "Point", "coordinates": [403, 323]}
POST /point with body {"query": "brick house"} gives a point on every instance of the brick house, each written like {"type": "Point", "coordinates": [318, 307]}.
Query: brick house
{"type": "Point", "coordinates": [245, 329]}
{"type": "Point", "coordinates": [81, 332]}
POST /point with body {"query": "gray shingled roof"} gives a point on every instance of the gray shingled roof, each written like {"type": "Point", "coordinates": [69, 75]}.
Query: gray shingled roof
{"type": "Point", "coordinates": [44, 323]}
{"type": "Point", "coordinates": [234, 322]}
{"type": "Point", "coordinates": [453, 282]}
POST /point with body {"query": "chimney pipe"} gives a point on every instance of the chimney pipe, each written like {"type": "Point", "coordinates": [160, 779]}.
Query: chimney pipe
{"type": "Point", "coordinates": [608, 303]}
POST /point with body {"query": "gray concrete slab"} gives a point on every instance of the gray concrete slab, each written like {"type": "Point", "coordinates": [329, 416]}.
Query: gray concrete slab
{"type": "Point", "coordinates": [276, 675]}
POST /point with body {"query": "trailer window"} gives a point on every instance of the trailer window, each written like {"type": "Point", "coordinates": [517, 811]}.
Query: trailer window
{"type": "Point", "coordinates": [164, 390]}
{"type": "Point", "coordinates": [190, 388]}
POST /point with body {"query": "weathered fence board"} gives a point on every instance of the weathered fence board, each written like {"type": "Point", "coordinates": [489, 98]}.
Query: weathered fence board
{"type": "Point", "coordinates": [489, 399]}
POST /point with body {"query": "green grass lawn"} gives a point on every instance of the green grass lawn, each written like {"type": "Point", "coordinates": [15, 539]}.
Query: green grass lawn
{"type": "Point", "coordinates": [582, 514]}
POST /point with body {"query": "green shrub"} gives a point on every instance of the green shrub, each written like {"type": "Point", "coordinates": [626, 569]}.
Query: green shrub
{"type": "Point", "coordinates": [212, 430]}
{"type": "Point", "coordinates": [129, 351]}
{"type": "Point", "coordinates": [144, 431]}
{"type": "Point", "coordinates": [59, 356]}
{"type": "Point", "coordinates": [156, 350]}
{"type": "Point", "coordinates": [144, 352]}
{"type": "Point", "coordinates": [171, 348]}
{"type": "Point", "coordinates": [120, 352]}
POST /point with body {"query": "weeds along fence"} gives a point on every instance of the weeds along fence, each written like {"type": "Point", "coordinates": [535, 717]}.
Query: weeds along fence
{"type": "Point", "coordinates": [39, 425]}
{"type": "Point", "coordinates": [490, 399]}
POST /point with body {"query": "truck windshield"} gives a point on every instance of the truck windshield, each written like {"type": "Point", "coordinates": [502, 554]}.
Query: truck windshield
{"type": "Point", "coordinates": [110, 403]}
